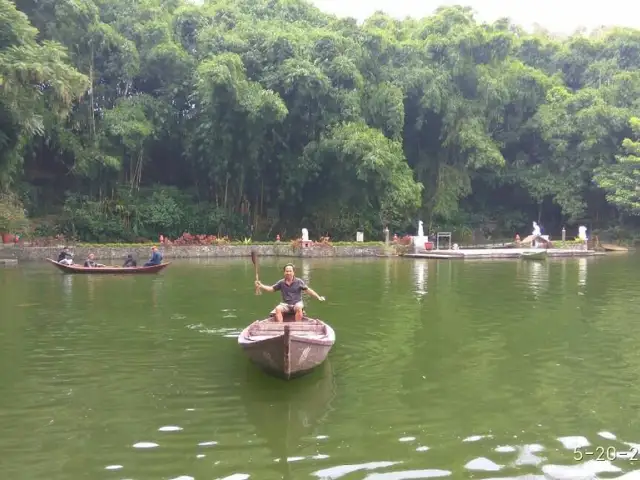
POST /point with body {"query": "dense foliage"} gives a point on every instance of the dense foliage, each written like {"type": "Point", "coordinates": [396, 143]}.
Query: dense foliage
{"type": "Point", "coordinates": [122, 120]}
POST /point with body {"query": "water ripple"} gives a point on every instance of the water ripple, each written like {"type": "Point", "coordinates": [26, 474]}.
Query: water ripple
{"type": "Point", "coordinates": [145, 445]}
{"type": "Point", "coordinates": [333, 473]}
{"type": "Point", "coordinates": [408, 474]}
{"type": "Point", "coordinates": [170, 428]}
{"type": "Point", "coordinates": [231, 332]}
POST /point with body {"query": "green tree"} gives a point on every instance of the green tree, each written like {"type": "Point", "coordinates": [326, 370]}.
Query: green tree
{"type": "Point", "coordinates": [621, 180]}
{"type": "Point", "coordinates": [253, 117]}
{"type": "Point", "coordinates": [36, 82]}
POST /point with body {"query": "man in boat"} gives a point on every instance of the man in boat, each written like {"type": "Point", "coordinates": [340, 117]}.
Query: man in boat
{"type": "Point", "coordinates": [90, 262]}
{"type": "Point", "coordinates": [130, 262]}
{"type": "Point", "coordinates": [156, 257]}
{"type": "Point", "coordinates": [291, 288]}
{"type": "Point", "coordinates": [65, 257]}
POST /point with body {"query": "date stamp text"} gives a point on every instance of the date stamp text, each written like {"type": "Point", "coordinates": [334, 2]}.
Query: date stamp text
{"type": "Point", "coordinates": [602, 454]}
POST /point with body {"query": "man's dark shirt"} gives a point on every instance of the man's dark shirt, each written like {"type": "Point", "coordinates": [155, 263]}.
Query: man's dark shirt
{"type": "Point", "coordinates": [130, 262]}
{"type": "Point", "coordinates": [90, 263]}
{"type": "Point", "coordinates": [291, 294]}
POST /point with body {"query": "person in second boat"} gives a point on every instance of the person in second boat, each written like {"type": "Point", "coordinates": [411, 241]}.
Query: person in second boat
{"type": "Point", "coordinates": [130, 262]}
{"type": "Point", "coordinates": [65, 257]}
{"type": "Point", "coordinates": [90, 262]}
{"type": "Point", "coordinates": [156, 257]}
{"type": "Point", "coordinates": [291, 289]}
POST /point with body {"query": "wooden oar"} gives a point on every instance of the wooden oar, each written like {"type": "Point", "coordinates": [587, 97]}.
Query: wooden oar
{"type": "Point", "coordinates": [254, 259]}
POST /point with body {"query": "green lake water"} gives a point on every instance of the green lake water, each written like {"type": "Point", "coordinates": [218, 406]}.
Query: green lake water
{"type": "Point", "coordinates": [453, 369]}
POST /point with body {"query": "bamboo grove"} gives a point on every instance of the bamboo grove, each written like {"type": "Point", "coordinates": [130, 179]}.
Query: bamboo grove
{"type": "Point", "coordinates": [121, 120]}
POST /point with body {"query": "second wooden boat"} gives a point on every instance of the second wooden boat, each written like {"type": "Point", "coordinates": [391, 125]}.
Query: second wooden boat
{"type": "Point", "coordinates": [108, 269]}
{"type": "Point", "coordinates": [534, 255]}
{"type": "Point", "coordinates": [609, 247]}
{"type": "Point", "coordinates": [287, 349]}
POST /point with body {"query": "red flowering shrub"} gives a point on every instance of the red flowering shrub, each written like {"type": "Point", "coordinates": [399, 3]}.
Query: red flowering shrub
{"type": "Point", "coordinates": [187, 239]}
{"type": "Point", "coordinates": [406, 240]}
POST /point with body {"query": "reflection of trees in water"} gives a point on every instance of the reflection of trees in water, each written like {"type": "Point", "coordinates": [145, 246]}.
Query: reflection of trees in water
{"type": "Point", "coordinates": [109, 292]}
{"type": "Point", "coordinates": [485, 345]}
{"type": "Point", "coordinates": [19, 300]}
{"type": "Point", "coordinates": [67, 289]}
{"type": "Point", "coordinates": [584, 377]}
{"type": "Point", "coordinates": [284, 414]}
{"type": "Point", "coordinates": [604, 338]}
{"type": "Point", "coordinates": [490, 361]}
{"type": "Point", "coordinates": [92, 280]}
{"type": "Point", "coordinates": [157, 288]}
{"type": "Point", "coordinates": [373, 347]}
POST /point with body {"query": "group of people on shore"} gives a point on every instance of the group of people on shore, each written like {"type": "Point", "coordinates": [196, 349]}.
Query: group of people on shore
{"type": "Point", "coordinates": [66, 258]}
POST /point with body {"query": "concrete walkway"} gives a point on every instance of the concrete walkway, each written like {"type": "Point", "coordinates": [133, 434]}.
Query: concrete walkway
{"type": "Point", "coordinates": [500, 253]}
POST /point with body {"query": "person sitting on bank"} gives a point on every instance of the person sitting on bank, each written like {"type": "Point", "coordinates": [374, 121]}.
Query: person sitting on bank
{"type": "Point", "coordinates": [291, 289]}
{"type": "Point", "coordinates": [65, 257]}
{"type": "Point", "coordinates": [156, 257]}
{"type": "Point", "coordinates": [91, 262]}
{"type": "Point", "coordinates": [130, 262]}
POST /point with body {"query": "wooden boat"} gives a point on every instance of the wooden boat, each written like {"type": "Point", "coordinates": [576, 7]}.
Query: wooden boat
{"type": "Point", "coordinates": [609, 247]}
{"type": "Point", "coordinates": [108, 269]}
{"type": "Point", "coordinates": [287, 349]}
{"type": "Point", "coordinates": [534, 255]}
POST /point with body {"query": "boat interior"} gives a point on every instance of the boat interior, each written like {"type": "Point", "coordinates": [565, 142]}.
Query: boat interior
{"type": "Point", "coordinates": [308, 328]}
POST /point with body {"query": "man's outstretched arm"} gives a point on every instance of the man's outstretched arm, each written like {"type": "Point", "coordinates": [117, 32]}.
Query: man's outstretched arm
{"type": "Point", "coordinates": [266, 288]}
{"type": "Point", "coordinates": [313, 293]}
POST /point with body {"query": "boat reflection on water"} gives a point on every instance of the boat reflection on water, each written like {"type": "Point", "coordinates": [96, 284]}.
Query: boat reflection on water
{"type": "Point", "coordinates": [157, 287]}
{"type": "Point", "coordinates": [284, 414]}
{"type": "Point", "coordinates": [94, 282]}
{"type": "Point", "coordinates": [67, 286]}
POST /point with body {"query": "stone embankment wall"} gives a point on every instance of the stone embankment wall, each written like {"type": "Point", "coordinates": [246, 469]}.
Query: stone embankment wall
{"type": "Point", "coordinates": [201, 251]}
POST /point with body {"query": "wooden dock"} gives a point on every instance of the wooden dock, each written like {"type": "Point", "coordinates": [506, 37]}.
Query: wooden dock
{"type": "Point", "coordinates": [492, 253]}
